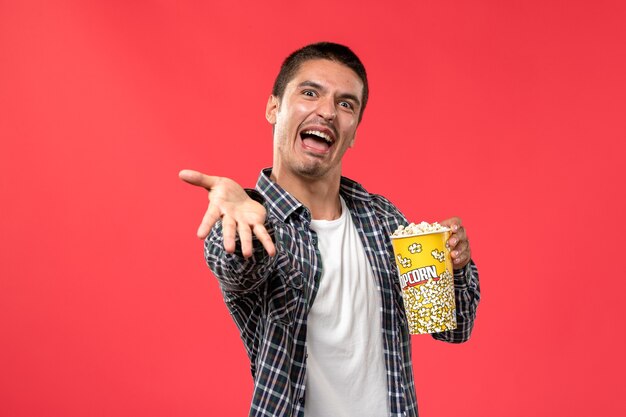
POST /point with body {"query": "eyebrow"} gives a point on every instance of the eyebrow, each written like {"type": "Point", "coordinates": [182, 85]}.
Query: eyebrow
{"type": "Point", "coordinates": [317, 86]}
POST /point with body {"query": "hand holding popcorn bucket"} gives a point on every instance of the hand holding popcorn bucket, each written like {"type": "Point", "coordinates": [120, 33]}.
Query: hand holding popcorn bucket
{"type": "Point", "coordinates": [426, 277]}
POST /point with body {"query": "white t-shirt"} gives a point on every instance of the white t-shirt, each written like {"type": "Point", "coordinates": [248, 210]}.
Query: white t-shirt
{"type": "Point", "coordinates": [345, 367]}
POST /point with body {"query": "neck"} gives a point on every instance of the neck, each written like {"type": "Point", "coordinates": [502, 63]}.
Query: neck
{"type": "Point", "coordinates": [319, 195]}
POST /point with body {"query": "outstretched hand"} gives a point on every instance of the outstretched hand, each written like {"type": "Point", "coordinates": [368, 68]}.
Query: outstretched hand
{"type": "Point", "coordinates": [239, 213]}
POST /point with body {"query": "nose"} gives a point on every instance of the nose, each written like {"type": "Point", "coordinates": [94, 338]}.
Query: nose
{"type": "Point", "coordinates": [326, 109]}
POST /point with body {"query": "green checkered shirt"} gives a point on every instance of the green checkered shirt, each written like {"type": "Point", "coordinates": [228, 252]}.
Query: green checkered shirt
{"type": "Point", "coordinates": [269, 297]}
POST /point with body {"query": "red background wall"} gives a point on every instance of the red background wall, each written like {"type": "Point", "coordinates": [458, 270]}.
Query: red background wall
{"type": "Point", "coordinates": [508, 114]}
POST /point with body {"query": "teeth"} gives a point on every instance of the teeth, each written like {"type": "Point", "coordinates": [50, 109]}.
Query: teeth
{"type": "Point", "coordinates": [322, 135]}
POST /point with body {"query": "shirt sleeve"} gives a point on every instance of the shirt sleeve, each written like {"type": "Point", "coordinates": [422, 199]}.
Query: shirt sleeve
{"type": "Point", "coordinates": [234, 272]}
{"type": "Point", "coordinates": [467, 297]}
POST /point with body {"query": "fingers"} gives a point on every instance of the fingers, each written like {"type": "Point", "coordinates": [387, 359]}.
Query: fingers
{"type": "Point", "coordinates": [459, 244]}
{"type": "Point", "coordinates": [461, 254]}
{"type": "Point", "coordinates": [454, 223]}
{"type": "Point", "coordinates": [230, 230]}
{"type": "Point", "coordinates": [457, 231]}
{"type": "Point", "coordinates": [245, 239]}
{"type": "Point", "coordinates": [457, 237]}
{"type": "Point", "coordinates": [211, 216]}
{"type": "Point", "coordinates": [266, 240]}
{"type": "Point", "coordinates": [229, 227]}
{"type": "Point", "coordinates": [198, 178]}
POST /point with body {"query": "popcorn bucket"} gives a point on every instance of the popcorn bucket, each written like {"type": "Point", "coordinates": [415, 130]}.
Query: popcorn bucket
{"type": "Point", "coordinates": [427, 281]}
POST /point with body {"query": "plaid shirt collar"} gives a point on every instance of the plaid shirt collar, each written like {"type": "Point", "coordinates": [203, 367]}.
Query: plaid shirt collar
{"type": "Point", "coordinates": [282, 204]}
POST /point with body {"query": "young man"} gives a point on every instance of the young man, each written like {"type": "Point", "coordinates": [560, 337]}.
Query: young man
{"type": "Point", "coordinates": [305, 261]}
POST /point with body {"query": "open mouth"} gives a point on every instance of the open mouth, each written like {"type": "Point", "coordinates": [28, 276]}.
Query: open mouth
{"type": "Point", "coordinates": [316, 140]}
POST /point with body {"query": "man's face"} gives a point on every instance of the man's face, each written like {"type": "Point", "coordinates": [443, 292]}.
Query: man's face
{"type": "Point", "coordinates": [316, 119]}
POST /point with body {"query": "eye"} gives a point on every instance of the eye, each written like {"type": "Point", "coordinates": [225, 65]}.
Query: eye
{"type": "Point", "coordinates": [346, 104]}
{"type": "Point", "coordinates": [309, 93]}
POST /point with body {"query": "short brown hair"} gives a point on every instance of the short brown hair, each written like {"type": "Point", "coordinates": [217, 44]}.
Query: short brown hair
{"type": "Point", "coordinates": [322, 50]}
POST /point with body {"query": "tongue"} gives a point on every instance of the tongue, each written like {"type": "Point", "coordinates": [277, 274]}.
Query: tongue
{"type": "Point", "coordinates": [317, 145]}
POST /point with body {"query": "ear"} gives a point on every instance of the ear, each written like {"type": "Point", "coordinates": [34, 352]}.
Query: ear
{"type": "Point", "coordinates": [271, 109]}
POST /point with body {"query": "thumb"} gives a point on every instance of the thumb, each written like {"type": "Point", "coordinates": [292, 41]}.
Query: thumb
{"type": "Point", "coordinates": [197, 178]}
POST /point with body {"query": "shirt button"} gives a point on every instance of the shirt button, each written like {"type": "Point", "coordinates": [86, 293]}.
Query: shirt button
{"type": "Point", "coordinates": [301, 400]}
